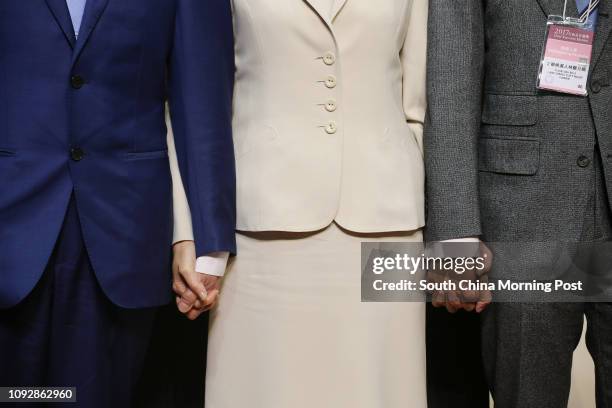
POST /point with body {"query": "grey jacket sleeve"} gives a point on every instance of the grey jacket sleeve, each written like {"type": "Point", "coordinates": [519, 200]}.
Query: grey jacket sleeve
{"type": "Point", "coordinates": [455, 80]}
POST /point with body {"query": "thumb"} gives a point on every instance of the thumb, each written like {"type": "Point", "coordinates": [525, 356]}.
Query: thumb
{"type": "Point", "coordinates": [196, 285]}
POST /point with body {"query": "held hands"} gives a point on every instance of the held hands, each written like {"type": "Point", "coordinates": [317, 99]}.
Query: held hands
{"type": "Point", "coordinates": [455, 299]}
{"type": "Point", "coordinates": [195, 292]}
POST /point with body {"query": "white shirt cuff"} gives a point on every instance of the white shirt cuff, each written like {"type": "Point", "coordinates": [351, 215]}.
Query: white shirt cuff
{"type": "Point", "coordinates": [465, 240]}
{"type": "Point", "coordinates": [471, 245]}
{"type": "Point", "coordinates": [212, 264]}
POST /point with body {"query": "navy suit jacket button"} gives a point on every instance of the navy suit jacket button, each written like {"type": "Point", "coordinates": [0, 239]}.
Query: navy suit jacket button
{"type": "Point", "coordinates": [77, 81]}
{"type": "Point", "coordinates": [77, 154]}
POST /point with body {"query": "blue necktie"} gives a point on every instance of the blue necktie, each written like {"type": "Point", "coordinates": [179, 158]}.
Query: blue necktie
{"type": "Point", "coordinates": [77, 9]}
{"type": "Point", "coordinates": [583, 5]}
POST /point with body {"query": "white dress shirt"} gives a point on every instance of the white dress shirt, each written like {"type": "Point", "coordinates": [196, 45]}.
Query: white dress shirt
{"type": "Point", "coordinates": [77, 10]}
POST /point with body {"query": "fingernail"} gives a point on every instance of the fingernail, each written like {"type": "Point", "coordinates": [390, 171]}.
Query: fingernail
{"type": "Point", "coordinates": [183, 307]}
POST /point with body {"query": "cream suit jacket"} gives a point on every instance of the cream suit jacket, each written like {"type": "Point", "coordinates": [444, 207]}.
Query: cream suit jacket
{"type": "Point", "coordinates": [328, 115]}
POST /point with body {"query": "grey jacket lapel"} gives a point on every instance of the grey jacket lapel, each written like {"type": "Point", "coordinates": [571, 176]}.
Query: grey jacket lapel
{"type": "Point", "coordinates": [604, 27]}
{"type": "Point", "coordinates": [555, 7]}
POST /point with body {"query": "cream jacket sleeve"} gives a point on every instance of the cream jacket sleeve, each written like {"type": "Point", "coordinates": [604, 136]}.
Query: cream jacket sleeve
{"type": "Point", "coordinates": [414, 62]}
{"type": "Point", "coordinates": [212, 264]}
{"type": "Point", "coordinates": [183, 230]}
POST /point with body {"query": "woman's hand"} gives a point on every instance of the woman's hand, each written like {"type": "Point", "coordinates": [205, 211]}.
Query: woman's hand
{"type": "Point", "coordinates": [195, 292]}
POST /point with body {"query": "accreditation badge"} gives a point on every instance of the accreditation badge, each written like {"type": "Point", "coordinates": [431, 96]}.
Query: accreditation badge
{"type": "Point", "coordinates": [566, 58]}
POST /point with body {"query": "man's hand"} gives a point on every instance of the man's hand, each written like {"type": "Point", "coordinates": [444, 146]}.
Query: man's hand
{"type": "Point", "coordinates": [195, 292]}
{"type": "Point", "coordinates": [455, 300]}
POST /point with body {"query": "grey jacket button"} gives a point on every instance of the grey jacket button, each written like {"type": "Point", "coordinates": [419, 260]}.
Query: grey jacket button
{"type": "Point", "coordinates": [583, 161]}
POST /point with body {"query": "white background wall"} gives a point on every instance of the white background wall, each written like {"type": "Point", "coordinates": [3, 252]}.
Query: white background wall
{"type": "Point", "coordinates": [583, 378]}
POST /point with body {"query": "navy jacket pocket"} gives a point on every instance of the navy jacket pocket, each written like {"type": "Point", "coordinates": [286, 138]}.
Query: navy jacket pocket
{"type": "Point", "coordinates": [158, 154]}
{"type": "Point", "coordinates": [7, 153]}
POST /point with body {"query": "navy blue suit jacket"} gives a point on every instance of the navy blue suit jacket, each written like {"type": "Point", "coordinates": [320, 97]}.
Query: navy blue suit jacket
{"type": "Point", "coordinates": [86, 118]}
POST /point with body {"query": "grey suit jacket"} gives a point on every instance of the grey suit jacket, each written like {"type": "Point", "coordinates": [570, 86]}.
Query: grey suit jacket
{"type": "Point", "coordinates": [503, 159]}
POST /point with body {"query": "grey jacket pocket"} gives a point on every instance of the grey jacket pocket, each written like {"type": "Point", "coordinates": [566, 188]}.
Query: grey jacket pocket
{"type": "Point", "coordinates": [509, 155]}
{"type": "Point", "coordinates": [510, 110]}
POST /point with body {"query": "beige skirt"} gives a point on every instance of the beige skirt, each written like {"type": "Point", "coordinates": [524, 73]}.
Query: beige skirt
{"type": "Point", "coordinates": [290, 330]}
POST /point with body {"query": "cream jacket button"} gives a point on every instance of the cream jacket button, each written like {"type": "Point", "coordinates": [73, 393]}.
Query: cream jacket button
{"type": "Point", "coordinates": [331, 105]}
{"type": "Point", "coordinates": [329, 58]}
{"type": "Point", "coordinates": [331, 128]}
{"type": "Point", "coordinates": [331, 82]}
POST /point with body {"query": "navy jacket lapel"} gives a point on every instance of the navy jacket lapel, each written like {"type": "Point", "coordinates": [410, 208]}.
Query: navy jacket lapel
{"type": "Point", "coordinates": [62, 16]}
{"type": "Point", "coordinates": [93, 11]}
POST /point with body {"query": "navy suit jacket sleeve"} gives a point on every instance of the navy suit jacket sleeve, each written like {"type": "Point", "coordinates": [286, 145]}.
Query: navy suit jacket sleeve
{"type": "Point", "coordinates": [201, 81]}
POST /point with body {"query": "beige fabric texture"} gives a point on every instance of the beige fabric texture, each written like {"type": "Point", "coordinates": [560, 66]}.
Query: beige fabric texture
{"type": "Point", "coordinates": [291, 330]}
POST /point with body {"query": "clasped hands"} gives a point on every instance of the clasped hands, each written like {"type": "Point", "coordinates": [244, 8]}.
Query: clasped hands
{"type": "Point", "coordinates": [195, 292]}
{"type": "Point", "coordinates": [452, 296]}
